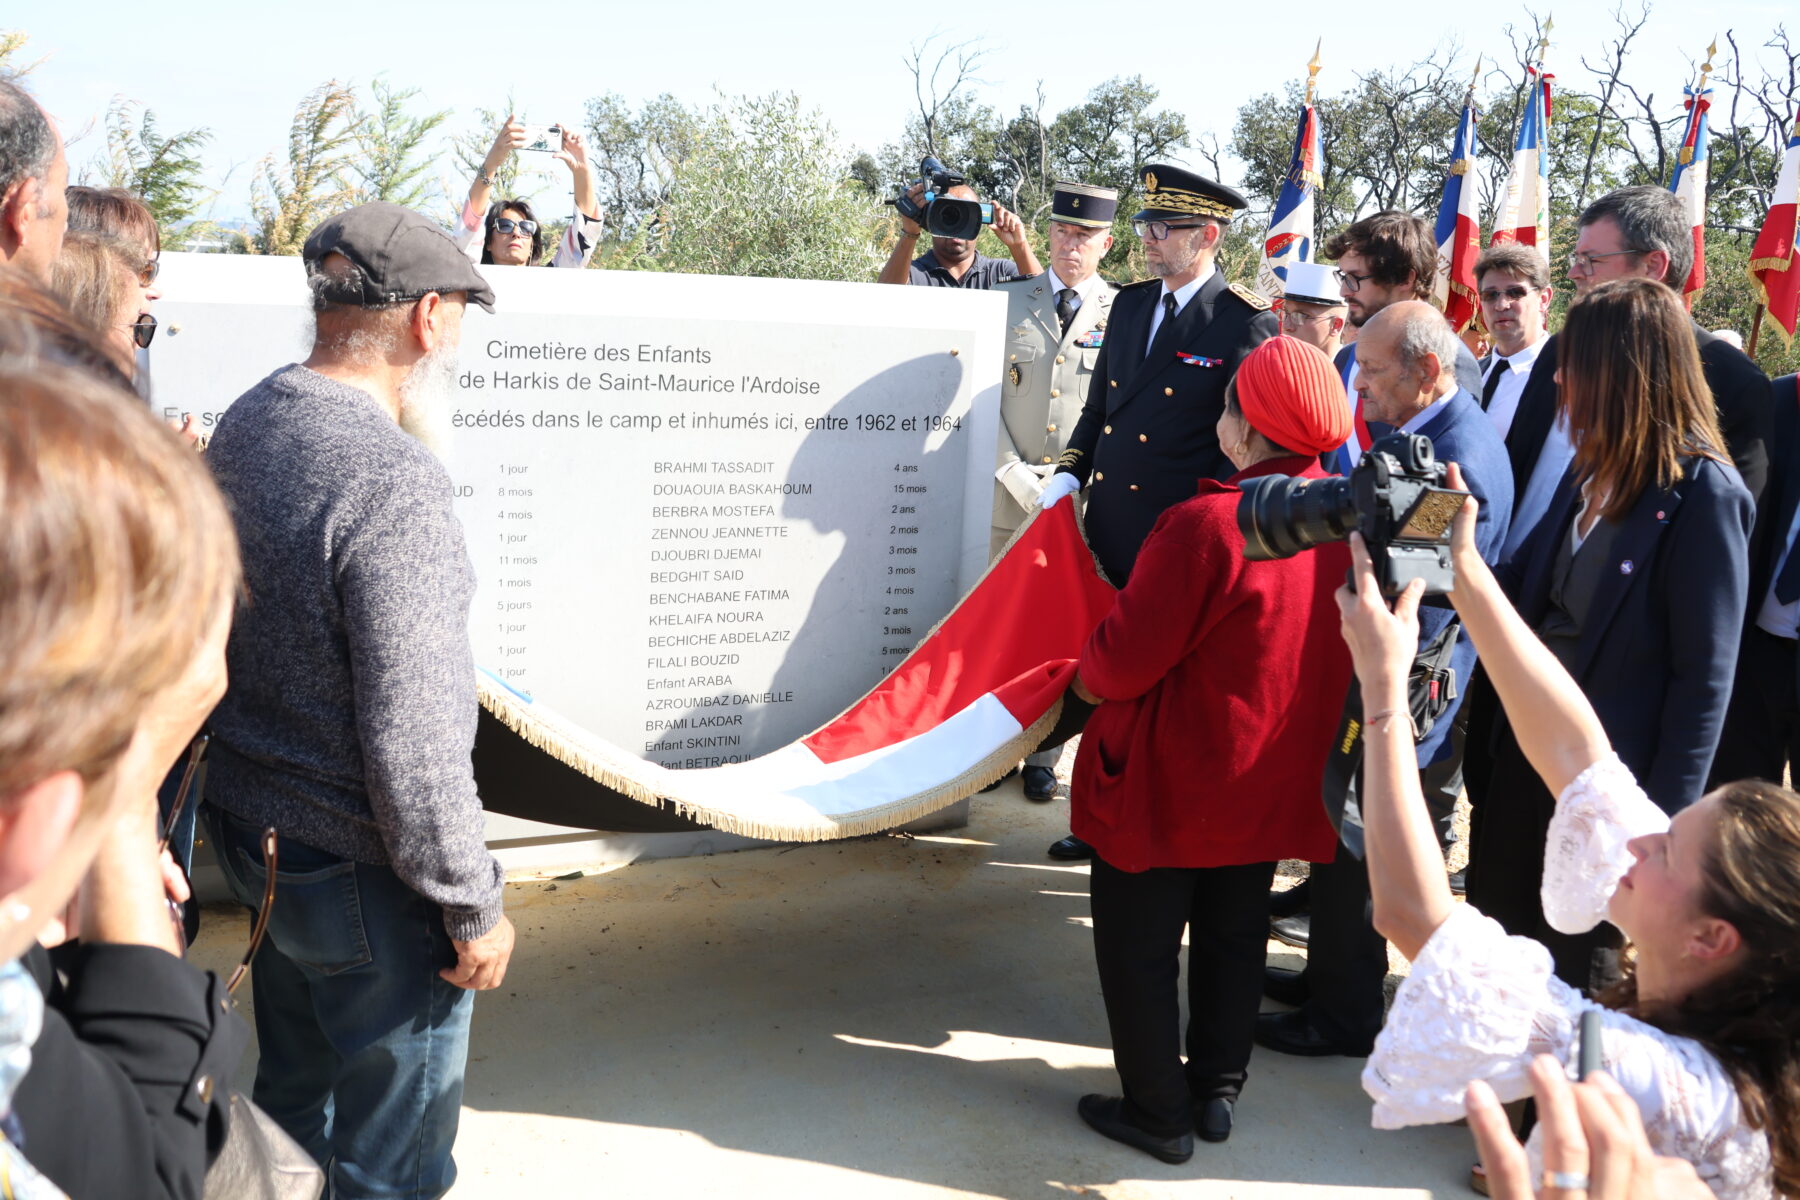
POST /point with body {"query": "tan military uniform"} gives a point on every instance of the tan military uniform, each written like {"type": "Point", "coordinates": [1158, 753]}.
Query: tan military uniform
{"type": "Point", "coordinates": [1045, 383]}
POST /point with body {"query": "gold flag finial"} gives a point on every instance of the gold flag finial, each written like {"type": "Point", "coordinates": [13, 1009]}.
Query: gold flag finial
{"type": "Point", "coordinates": [1475, 76]}
{"type": "Point", "coordinates": [1706, 68]}
{"type": "Point", "coordinates": [1544, 39]}
{"type": "Point", "coordinates": [1312, 71]}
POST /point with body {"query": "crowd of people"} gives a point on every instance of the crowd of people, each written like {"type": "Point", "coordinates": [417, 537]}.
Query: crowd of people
{"type": "Point", "coordinates": [1611, 679]}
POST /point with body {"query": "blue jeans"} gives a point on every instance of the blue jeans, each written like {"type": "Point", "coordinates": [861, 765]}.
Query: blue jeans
{"type": "Point", "coordinates": [361, 1045]}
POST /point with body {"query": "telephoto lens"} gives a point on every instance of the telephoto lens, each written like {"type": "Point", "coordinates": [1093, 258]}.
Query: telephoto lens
{"type": "Point", "coordinates": [1280, 515]}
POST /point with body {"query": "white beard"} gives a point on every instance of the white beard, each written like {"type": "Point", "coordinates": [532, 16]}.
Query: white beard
{"type": "Point", "coordinates": [427, 399]}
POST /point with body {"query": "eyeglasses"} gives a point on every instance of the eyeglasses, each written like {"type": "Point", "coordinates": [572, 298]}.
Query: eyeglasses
{"type": "Point", "coordinates": [261, 925]}
{"type": "Point", "coordinates": [1295, 317]}
{"type": "Point", "coordinates": [1156, 231]}
{"type": "Point", "coordinates": [1582, 263]}
{"type": "Point", "coordinates": [143, 330]}
{"type": "Point", "coordinates": [148, 272]}
{"type": "Point", "coordinates": [507, 225]}
{"type": "Point", "coordinates": [1496, 295]}
{"type": "Point", "coordinates": [1350, 281]}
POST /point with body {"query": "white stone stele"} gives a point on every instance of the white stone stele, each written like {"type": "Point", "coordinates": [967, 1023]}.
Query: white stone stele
{"type": "Point", "coordinates": [706, 513]}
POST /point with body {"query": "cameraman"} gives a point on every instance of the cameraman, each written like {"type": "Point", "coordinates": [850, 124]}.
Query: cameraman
{"type": "Point", "coordinates": [953, 262]}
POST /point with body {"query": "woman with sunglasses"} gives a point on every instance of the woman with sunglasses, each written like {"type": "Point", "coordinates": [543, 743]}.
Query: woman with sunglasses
{"type": "Point", "coordinates": [508, 232]}
{"type": "Point", "coordinates": [122, 570]}
{"type": "Point", "coordinates": [1703, 1033]}
{"type": "Point", "coordinates": [96, 276]}
{"type": "Point", "coordinates": [116, 213]}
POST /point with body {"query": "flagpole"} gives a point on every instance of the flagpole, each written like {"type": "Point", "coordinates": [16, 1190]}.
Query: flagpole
{"type": "Point", "coordinates": [1755, 332]}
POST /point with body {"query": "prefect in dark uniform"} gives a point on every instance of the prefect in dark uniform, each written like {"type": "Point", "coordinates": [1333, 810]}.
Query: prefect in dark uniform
{"type": "Point", "coordinates": [1048, 367]}
{"type": "Point", "coordinates": [1147, 431]}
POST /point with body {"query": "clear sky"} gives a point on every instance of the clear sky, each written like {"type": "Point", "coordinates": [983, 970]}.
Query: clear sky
{"type": "Point", "coordinates": [240, 69]}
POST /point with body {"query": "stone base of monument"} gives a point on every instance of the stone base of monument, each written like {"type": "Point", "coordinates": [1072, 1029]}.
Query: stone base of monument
{"type": "Point", "coordinates": [534, 848]}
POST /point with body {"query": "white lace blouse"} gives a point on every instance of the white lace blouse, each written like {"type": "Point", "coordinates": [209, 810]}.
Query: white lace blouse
{"type": "Point", "coordinates": [1479, 1004]}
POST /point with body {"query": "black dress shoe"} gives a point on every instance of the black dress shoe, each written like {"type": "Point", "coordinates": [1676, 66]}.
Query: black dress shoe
{"type": "Point", "coordinates": [1070, 849]}
{"type": "Point", "coordinates": [1295, 931]}
{"type": "Point", "coordinates": [1040, 784]}
{"type": "Point", "coordinates": [1212, 1120]}
{"type": "Point", "coordinates": [1459, 883]}
{"type": "Point", "coordinates": [1284, 986]}
{"type": "Point", "coordinates": [990, 787]}
{"type": "Point", "coordinates": [1292, 1033]}
{"type": "Point", "coordinates": [1291, 902]}
{"type": "Point", "coordinates": [1103, 1116]}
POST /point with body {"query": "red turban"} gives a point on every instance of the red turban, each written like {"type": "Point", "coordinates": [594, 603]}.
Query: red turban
{"type": "Point", "coordinates": [1291, 394]}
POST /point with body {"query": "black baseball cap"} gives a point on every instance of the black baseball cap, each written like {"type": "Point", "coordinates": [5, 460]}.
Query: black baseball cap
{"type": "Point", "coordinates": [399, 255]}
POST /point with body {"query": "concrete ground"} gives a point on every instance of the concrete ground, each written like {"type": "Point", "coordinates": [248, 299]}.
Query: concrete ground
{"type": "Point", "coordinates": [887, 1017]}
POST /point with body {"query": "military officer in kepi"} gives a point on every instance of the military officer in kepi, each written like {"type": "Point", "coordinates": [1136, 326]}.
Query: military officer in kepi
{"type": "Point", "coordinates": [1147, 434]}
{"type": "Point", "coordinates": [1055, 326]}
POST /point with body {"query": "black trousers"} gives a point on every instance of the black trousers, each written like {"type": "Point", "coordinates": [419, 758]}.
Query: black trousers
{"type": "Point", "coordinates": [1346, 960]}
{"type": "Point", "coordinates": [1507, 833]}
{"type": "Point", "coordinates": [1138, 920]}
{"type": "Point", "coordinates": [1762, 725]}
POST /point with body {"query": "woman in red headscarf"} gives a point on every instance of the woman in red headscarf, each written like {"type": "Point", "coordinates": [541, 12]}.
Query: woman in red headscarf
{"type": "Point", "coordinates": [1220, 682]}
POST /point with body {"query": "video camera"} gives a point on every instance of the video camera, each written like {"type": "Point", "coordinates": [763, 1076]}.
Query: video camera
{"type": "Point", "coordinates": [1395, 498]}
{"type": "Point", "coordinates": [939, 214]}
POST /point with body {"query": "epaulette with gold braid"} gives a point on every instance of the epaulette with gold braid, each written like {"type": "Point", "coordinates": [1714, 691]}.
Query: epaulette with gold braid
{"type": "Point", "coordinates": [1253, 299]}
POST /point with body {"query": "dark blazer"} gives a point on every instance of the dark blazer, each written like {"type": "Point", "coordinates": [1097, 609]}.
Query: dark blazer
{"type": "Point", "coordinates": [1147, 433]}
{"type": "Point", "coordinates": [1775, 512]}
{"type": "Point", "coordinates": [1657, 653]}
{"type": "Point", "coordinates": [130, 1082]}
{"type": "Point", "coordinates": [1461, 433]}
{"type": "Point", "coordinates": [1740, 392]}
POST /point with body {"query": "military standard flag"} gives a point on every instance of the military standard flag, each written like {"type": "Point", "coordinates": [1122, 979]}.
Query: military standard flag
{"type": "Point", "coordinates": [1774, 259]}
{"type": "Point", "coordinates": [1459, 230]}
{"type": "Point", "coordinates": [1689, 183]}
{"type": "Point", "coordinates": [1290, 237]}
{"type": "Point", "coordinates": [1524, 215]}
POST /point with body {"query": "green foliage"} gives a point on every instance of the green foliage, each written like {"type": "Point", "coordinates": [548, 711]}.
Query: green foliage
{"type": "Point", "coordinates": [516, 178]}
{"type": "Point", "coordinates": [635, 156]}
{"type": "Point", "coordinates": [764, 190]}
{"type": "Point", "coordinates": [162, 170]}
{"type": "Point", "coordinates": [390, 139]}
{"type": "Point", "coordinates": [11, 65]}
{"type": "Point", "coordinates": [290, 197]}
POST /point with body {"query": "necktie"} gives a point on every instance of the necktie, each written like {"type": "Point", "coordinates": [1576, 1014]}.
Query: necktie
{"type": "Point", "coordinates": [1065, 307]}
{"type": "Point", "coordinates": [1168, 322]}
{"type": "Point", "coordinates": [1787, 584]}
{"type": "Point", "coordinates": [1493, 382]}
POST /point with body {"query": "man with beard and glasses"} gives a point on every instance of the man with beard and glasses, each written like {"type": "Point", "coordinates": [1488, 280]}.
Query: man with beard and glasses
{"type": "Point", "coordinates": [350, 715]}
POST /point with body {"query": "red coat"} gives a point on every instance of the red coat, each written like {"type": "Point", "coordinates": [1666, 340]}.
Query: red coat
{"type": "Point", "coordinates": [1224, 680]}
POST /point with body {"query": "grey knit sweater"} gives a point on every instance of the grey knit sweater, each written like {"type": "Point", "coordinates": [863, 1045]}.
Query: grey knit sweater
{"type": "Point", "coordinates": [351, 709]}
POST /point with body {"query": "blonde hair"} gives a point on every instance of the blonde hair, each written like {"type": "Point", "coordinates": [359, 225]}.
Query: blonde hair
{"type": "Point", "coordinates": [118, 556]}
{"type": "Point", "coordinates": [95, 277]}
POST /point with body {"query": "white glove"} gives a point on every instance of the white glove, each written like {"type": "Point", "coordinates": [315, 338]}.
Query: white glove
{"type": "Point", "coordinates": [1061, 484]}
{"type": "Point", "coordinates": [1021, 483]}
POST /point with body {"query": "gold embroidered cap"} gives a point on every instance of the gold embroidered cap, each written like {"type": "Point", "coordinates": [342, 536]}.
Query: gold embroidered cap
{"type": "Point", "coordinates": [1171, 193]}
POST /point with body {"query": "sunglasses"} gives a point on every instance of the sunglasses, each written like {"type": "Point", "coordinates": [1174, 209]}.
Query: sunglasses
{"type": "Point", "coordinates": [507, 225]}
{"type": "Point", "coordinates": [148, 272]}
{"type": "Point", "coordinates": [1496, 295]}
{"type": "Point", "coordinates": [143, 331]}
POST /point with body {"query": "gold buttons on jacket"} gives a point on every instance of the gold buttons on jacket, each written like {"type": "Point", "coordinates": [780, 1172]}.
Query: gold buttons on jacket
{"type": "Point", "coordinates": [1112, 383]}
{"type": "Point", "coordinates": [1047, 458]}
{"type": "Point", "coordinates": [1106, 429]}
{"type": "Point", "coordinates": [1055, 392]}
{"type": "Point", "coordinates": [1012, 358]}
{"type": "Point", "coordinates": [1143, 437]}
{"type": "Point", "coordinates": [1168, 391]}
{"type": "Point", "coordinates": [1134, 487]}
{"type": "Point", "coordinates": [1049, 429]}
{"type": "Point", "coordinates": [1098, 476]}
{"type": "Point", "coordinates": [204, 1086]}
{"type": "Point", "coordinates": [1059, 360]}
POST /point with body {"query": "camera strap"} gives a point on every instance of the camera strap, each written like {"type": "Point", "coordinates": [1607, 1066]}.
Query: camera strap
{"type": "Point", "coordinates": [1430, 689]}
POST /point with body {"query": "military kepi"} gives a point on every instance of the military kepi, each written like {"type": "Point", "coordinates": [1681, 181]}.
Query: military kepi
{"type": "Point", "coordinates": [1084, 204]}
{"type": "Point", "coordinates": [1172, 193]}
{"type": "Point", "coordinates": [1311, 283]}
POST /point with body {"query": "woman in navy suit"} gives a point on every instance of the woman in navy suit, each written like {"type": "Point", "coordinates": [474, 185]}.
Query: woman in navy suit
{"type": "Point", "coordinates": [1636, 580]}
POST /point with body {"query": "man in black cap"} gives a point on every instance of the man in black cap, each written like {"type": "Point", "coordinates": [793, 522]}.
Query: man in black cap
{"type": "Point", "coordinates": [350, 715]}
{"type": "Point", "coordinates": [1148, 430]}
{"type": "Point", "coordinates": [1055, 325]}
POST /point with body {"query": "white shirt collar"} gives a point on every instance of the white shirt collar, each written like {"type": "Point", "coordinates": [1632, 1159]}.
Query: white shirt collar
{"type": "Point", "coordinates": [1523, 360]}
{"type": "Point", "coordinates": [1083, 290]}
{"type": "Point", "coordinates": [1425, 414]}
{"type": "Point", "coordinates": [1187, 290]}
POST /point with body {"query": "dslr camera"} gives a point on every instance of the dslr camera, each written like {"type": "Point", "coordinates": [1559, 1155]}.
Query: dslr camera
{"type": "Point", "coordinates": [939, 214]}
{"type": "Point", "coordinates": [1395, 498]}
